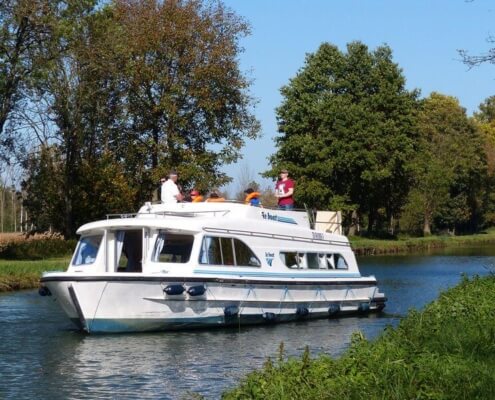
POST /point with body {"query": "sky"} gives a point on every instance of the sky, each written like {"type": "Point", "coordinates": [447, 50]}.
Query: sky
{"type": "Point", "coordinates": [424, 35]}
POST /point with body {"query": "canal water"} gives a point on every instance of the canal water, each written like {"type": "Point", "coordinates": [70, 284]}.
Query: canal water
{"type": "Point", "coordinates": [43, 356]}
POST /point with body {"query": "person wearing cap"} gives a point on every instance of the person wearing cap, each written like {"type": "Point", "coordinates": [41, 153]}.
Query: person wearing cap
{"type": "Point", "coordinates": [252, 197]}
{"type": "Point", "coordinates": [170, 192]}
{"type": "Point", "coordinates": [284, 191]}
{"type": "Point", "coordinates": [195, 196]}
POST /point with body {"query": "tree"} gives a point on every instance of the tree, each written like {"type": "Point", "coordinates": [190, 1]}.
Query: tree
{"type": "Point", "coordinates": [346, 129]}
{"type": "Point", "coordinates": [78, 96]}
{"type": "Point", "coordinates": [185, 96]}
{"type": "Point", "coordinates": [140, 87]}
{"type": "Point", "coordinates": [473, 61]}
{"type": "Point", "coordinates": [449, 168]}
{"type": "Point", "coordinates": [484, 120]}
{"type": "Point", "coordinates": [28, 31]}
{"type": "Point", "coordinates": [20, 32]}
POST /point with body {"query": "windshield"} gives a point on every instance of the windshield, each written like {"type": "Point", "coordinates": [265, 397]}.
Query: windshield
{"type": "Point", "coordinates": [87, 250]}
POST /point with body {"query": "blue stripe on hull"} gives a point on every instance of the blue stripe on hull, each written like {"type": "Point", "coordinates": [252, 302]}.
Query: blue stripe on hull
{"type": "Point", "coordinates": [276, 274]}
{"type": "Point", "coordinates": [104, 325]}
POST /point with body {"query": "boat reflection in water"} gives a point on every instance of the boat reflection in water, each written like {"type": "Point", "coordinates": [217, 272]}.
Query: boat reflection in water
{"type": "Point", "coordinates": [190, 265]}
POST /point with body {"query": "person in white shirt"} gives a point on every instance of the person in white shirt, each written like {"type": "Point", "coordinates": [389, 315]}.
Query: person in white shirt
{"type": "Point", "coordinates": [170, 192]}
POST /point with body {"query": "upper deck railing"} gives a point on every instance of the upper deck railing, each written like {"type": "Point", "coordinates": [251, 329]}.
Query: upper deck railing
{"type": "Point", "coordinates": [324, 221]}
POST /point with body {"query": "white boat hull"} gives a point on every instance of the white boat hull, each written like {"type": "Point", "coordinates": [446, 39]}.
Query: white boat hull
{"type": "Point", "coordinates": [101, 304]}
{"type": "Point", "coordinates": [190, 265]}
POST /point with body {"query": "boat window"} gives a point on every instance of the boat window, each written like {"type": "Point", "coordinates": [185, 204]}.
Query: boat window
{"type": "Point", "coordinates": [291, 259]}
{"type": "Point", "coordinates": [87, 250]}
{"type": "Point", "coordinates": [340, 262]}
{"type": "Point", "coordinates": [211, 251]}
{"type": "Point", "coordinates": [312, 260]}
{"type": "Point", "coordinates": [244, 255]}
{"type": "Point", "coordinates": [173, 248]}
{"type": "Point", "coordinates": [227, 251]}
{"type": "Point", "coordinates": [326, 261]}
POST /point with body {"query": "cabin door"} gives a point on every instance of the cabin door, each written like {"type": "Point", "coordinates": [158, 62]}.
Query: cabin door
{"type": "Point", "coordinates": [129, 250]}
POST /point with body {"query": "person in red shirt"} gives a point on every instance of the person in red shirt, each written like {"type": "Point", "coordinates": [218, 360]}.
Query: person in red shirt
{"type": "Point", "coordinates": [284, 191]}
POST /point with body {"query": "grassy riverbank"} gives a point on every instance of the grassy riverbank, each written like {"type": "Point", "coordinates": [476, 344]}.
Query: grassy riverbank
{"type": "Point", "coordinates": [446, 351]}
{"type": "Point", "coordinates": [17, 275]}
{"type": "Point", "coordinates": [364, 246]}
{"type": "Point", "coordinates": [24, 258]}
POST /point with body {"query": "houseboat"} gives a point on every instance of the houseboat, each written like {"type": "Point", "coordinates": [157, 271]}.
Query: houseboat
{"type": "Point", "coordinates": [190, 265]}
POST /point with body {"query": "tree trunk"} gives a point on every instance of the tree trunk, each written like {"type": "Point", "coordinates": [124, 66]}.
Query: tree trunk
{"type": "Point", "coordinates": [371, 221]}
{"type": "Point", "coordinates": [426, 225]}
{"type": "Point", "coordinates": [354, 226]}
{"type": "Point", "coordinates": [391, 224]}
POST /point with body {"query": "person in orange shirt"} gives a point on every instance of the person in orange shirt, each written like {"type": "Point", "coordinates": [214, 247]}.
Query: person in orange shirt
{"type": "Point", "coordinates": [195, 196]}
{"type": "Point", "coordinates": [252, 197]}
{"type": "Point", "coordinates": [214, 197]}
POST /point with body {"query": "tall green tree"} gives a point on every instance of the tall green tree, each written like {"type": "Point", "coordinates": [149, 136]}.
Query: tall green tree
{"type": "Point", "coordinates": [346, 128]}
{"type": "Point", "coordinates": [484, 120]}
{"type": "Point", "coordinates": [450, 166]}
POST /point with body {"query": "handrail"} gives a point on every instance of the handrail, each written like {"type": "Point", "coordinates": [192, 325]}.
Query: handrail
{"type": "Point", "coordinates": [168, 213]}
{"type": "Point", "coordinates": [268, 235]}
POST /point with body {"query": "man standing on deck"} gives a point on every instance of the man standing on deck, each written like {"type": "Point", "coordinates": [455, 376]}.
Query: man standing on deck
{"type": "Point", "coordinates": [284, 191]}
{"type": "Point", "coordinates": [170, 192]}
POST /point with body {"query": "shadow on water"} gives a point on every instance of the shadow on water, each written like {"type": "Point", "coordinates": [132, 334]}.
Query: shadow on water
{"type": "Point", "coordinates": [42, 354]}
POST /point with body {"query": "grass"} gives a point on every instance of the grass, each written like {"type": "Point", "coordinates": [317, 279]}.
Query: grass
{"type": "Point", "coordinates": [16, 275]}
{"type": "Point", "coordinates": [365, 246]}
{"type": "Point", "coordinates": [23, 259]}
{"type": "Point", "coordinates": [446, 351]}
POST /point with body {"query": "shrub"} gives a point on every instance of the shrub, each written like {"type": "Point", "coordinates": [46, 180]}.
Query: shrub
{"type": "Point", "coordinates": [446, 351]}
{"type": "Point", "coordinates": [37, 249]}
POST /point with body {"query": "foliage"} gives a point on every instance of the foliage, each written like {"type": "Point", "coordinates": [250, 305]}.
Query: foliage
{"type": "Point", "coordinates": [26, 33]}
{"type": "Point", "coordinates": [366, 246]}
{"type": "Point", "coordinates": [443, 352]}
{"type": "Point", "coordinates": [485, 123]}
{"type": "Point", "coordinates": [37, 249]}
{"type": "Point", "coordinates": [184, 91]}
{"type": "Point", "coordinates": [10, 207]}
{"type": "Point", "coordinates": [449, 168]}
{"type": "Point", "coordinates": [347, 130]}
{"type": "Point", "coordinates": [137, 88]}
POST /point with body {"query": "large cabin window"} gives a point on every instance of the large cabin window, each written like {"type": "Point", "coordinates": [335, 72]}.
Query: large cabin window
{"type": "Point", "coordinates": [87, 250]}
{"type": "Point", "coordinates": [227, 251]}
{"type": "Point", "coordinates": [173, 248]}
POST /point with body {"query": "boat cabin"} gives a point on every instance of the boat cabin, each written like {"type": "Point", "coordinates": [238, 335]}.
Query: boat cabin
{"type": "Point", "coordinates": [199, 237]}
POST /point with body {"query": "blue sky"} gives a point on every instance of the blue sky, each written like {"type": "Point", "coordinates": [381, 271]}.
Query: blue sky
{"type": "Point", "coordinates": [423, 35]}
